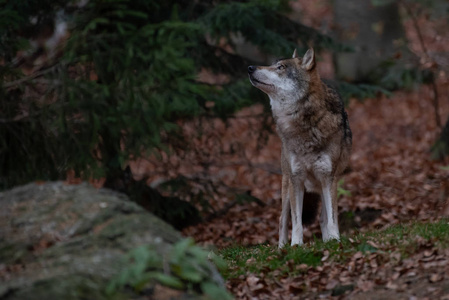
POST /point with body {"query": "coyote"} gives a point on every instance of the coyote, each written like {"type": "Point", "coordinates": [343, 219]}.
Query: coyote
{"type": "Point", "coordinates": [316, 141]}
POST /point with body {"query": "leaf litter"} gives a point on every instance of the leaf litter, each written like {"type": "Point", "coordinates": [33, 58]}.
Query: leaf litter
{"type": "Point", "coordinates": [392, 181]}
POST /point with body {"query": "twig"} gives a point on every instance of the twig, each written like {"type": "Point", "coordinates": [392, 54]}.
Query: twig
{"type": "Point", "coordinates": [222, 211]}
{"type": "Point", "coordinates": [426, 53]}
{"type": "Point", "coordinates": [228, 206]}
{"type": "Point", "coordinates": [415, 25]}
{"type": "Point", "coordinates": [27, 78]}
{"type": "Point", "coordinates": [436, 104]}
{"type": "Point", "coordinates": [233, 116]}
{"type": "Point", "coordinates": [16, 119]}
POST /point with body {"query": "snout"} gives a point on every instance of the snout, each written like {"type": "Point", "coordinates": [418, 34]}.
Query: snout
{"type": "Point", "coordinates": [259, 77]}
{"type": "Point", "coordinates": [251, 69]}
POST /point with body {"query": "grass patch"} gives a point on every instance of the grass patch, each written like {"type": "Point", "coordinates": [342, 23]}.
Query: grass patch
{"type": "Point", "coordinates": [265, 258]}
{"type": "Point", "coordinates": [405, 239]}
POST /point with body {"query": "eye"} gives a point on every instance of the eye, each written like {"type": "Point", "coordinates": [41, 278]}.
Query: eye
{"type": "Point", "coordinates": [281, 67]}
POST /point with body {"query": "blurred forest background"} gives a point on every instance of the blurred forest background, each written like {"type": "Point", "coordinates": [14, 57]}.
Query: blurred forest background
{"type": "Point", "coordinates": [151, 98]}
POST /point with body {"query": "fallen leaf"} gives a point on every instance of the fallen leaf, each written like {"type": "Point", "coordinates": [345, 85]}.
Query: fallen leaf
{"type": "Point", "coordinates": [435, 277]}
{"type": "Point", "coordinates": [252, 280]}
{"type": "Point", "coordinates": [365, 285]}
{"type": "Point", "coordinates": [391, 286]}
{"type": "Point", "coordinates": [331, 284]}
{"type": "Point", "coordinates": [357, 255]}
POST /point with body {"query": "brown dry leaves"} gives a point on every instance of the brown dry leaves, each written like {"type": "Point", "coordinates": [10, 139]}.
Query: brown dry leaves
{"type": "Point", "coordinates": [391, 171]}
{"type": "Point", "coordinates": [379, 275]}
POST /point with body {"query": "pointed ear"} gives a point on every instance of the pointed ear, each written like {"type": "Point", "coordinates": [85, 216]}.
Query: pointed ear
{"type": "Point", "coordinates": [295, 54]}
{"type": "Point", "coordinates": [308, 61]}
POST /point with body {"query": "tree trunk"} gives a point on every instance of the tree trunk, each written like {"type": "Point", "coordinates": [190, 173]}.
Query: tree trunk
{"type": "Point", "coordinates": [371, 31]}
{"type": "Point", "coordinates": [441, 147]}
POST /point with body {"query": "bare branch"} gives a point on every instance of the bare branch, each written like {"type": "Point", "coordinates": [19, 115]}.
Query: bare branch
{"type": "Point", "coordinates": [20, 81]}
{"type": "Point", "coordinates": [426, 53]}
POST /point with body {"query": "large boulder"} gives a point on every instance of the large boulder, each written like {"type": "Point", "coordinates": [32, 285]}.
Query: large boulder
{"type": "Point", "coordinates": [61, 241]}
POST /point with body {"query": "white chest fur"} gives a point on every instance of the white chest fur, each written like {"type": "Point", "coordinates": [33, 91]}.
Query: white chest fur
{"type": "Point", "coordinates": [311, 169]}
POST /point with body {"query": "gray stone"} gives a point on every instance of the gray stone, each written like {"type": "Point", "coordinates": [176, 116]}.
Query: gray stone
{"type": "Point", "coordinates": [61, 241]}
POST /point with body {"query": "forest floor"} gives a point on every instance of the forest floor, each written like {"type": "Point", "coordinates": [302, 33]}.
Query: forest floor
{"type": "Point", "coordinates": [393, 210]}
{"type": "Point", "coordinates": [392, 181]}
{"type": "Point", "coordinates": [392, 177]}
{"type": "Point", "coordinates": [393, 217]}
{"type": "Point", "coordinates": [408, 261]}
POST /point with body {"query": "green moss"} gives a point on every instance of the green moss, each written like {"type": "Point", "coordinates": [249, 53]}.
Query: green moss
{"type": "Point", "coordinates": [404, 238]}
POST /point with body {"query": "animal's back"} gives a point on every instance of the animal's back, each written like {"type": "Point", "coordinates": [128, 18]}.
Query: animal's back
{"type": "Point", "coordinates": [335, 104]}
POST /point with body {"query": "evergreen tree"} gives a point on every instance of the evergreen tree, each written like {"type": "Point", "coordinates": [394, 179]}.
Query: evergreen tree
{"type": "Point", "coordinates": [126, 74]}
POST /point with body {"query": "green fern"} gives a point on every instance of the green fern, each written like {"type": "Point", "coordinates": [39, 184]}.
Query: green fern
{"type": "Point", "coordinates": [185, 267]}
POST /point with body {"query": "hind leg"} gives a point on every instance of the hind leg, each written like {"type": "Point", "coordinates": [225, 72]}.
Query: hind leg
{"type": "Point", "coordinates": [334, 194]}
{"type": "Point", "coordinates": [323, 222]}
{"type": "Point", "coordinates": [329, 198]}
{"type": "Point", "coordinates": [283, 220]}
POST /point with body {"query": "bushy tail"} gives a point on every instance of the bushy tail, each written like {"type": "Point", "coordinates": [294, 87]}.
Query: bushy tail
{"type": "Point", "coordinates": [310, 207]}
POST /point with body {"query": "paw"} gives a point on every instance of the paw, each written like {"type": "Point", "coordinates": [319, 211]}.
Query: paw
{"type": "Point", "coordinates": [331, 237]}
{"type": "Point", "coordinates": [324, 232]}
{"type": "Point", "coordinates": [332, 233]}
{"type": "Point", "coordinates": [283, 241]}
{"type": "Point", "coordinates": [297, 242]}
{"type": "Point", "coordinates": [297, 236]}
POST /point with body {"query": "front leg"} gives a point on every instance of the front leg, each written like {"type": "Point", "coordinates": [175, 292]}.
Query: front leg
{"type": "Point", "coordinates": [283, 220]}
{"type": "Point", "coordinates": [329, 198]}
{"type": "Point", "coordinates": [296, 203]}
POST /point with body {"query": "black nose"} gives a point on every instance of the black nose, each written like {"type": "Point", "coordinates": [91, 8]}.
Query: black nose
{"type": "Point", "coordinates": [251, 69]}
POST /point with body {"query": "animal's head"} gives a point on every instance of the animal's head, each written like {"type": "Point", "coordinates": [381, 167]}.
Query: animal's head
{"type": "Point", "coordinates": [287, 78]}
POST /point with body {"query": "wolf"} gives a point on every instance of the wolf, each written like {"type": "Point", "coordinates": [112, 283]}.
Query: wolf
{"type": "Point", "coordinates": [316, 140]}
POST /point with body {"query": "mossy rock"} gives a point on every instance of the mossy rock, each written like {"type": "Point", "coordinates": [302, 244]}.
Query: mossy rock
{"type": "Point", "coordinates": [61, 241]}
